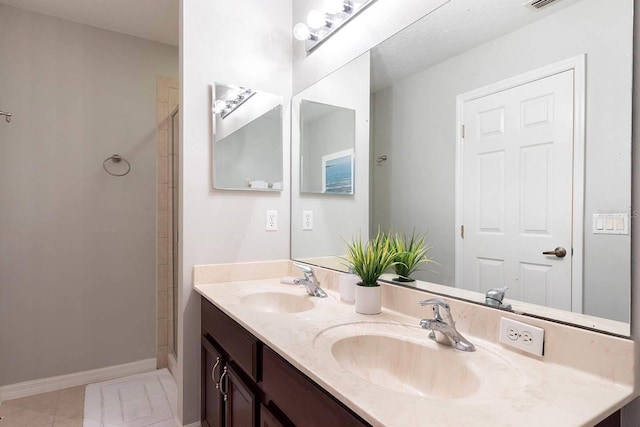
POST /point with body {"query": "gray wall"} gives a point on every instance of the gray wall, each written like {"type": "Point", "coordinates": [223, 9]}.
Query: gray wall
{"type": "Point", "coordinates": [77, 246]}
{"type": "Point", "coordinates": [414, 124]}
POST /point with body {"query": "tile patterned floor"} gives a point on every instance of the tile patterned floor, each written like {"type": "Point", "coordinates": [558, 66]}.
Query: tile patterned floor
{"type": "Point", "coordinates": [62, 408]}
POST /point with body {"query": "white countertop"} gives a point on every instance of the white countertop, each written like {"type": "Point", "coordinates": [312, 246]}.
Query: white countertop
{"type": "Point", "coordinates": [515, 389]}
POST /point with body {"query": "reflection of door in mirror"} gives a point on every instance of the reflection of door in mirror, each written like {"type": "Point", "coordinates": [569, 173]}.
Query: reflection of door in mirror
{"type": "Point", "coordinates": [516, 166]}
{"type": "Point", "coordinates": [414, 124]}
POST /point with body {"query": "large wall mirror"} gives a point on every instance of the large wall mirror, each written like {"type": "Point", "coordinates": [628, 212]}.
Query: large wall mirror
{"type": "Point", "coordinates": [504, 132]}
{"type": "Point", "coordinates": [247, 141]}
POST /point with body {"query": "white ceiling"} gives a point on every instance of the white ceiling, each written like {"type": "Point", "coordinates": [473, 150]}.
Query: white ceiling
{"type": "Point", "coordinates": [455, 27]}
{"type": "Point", "coordinates": [155, 20]}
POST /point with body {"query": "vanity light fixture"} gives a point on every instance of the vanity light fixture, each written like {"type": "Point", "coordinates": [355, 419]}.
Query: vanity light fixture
{"type": "Point", "coordinates": [232, 99]}
{"type": "Point", "coordinates": [322, 24]}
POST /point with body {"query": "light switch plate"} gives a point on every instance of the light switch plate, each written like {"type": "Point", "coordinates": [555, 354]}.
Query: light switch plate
{"type": "Point", "coordinates": [611, 223]}
{"type": "Point", "coordinates": [522, 336]}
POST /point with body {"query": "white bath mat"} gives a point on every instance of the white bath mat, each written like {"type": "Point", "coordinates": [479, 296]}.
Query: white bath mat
{"type": "Point", "coordinates": [143, 400]}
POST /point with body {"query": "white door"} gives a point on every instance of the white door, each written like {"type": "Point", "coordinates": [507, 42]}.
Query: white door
{"type": "Point", "coordinates": [517, 167]}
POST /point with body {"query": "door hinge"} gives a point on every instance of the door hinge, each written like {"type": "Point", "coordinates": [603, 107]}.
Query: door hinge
{"type": "Point", "coordinates": [462, 231]}
{"type": "Point", "coordinates": [462, 130]}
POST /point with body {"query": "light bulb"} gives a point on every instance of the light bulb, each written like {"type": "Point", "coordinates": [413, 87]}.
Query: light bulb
{"type": "Point", "coordinates": [334, 6]}
{"type": "Point", "coordinates": [232, 95]}
{"type": "Point", "coordinates": [316, 19]}
{"type": "Point", "coordinates": [218, 106]}
{"type": "Point", "coordinates": [301, 32]}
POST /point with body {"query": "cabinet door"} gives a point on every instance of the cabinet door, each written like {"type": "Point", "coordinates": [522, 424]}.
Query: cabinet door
{"type": "Point", "coordinates": [211, 404]}
{"type": "Point", "coordinates": [240, 402]}
{"type": "Point", "coordinates": [267, 419]}
{"type": "Point", "coordinates": [299, 398]}
{"type": "Point", "coordinates": [612, 421]}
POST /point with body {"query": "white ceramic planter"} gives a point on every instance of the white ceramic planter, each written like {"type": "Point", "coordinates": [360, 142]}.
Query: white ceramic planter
{"type": "Point", "coordinates": [368, 299]}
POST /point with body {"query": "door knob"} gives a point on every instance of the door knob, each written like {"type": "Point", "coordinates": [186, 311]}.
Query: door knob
{"type": "Point", "coordinates": [560, 252]}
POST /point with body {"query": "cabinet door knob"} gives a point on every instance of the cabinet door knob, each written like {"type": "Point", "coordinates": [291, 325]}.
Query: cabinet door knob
{"type": "Point", "coordinates": [222, 378]}
{"type": "Point", "coordinates": [213, 372]}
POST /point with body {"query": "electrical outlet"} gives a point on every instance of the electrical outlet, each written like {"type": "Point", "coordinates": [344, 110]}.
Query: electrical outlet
{"type": "Point", "coordinates": [272, 221]}
{"type": "Point", "coordinates": [522, 336]}
{"type": "Point", "coordinates": [307, 220]}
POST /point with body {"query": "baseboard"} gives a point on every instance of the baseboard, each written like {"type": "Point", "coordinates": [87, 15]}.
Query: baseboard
{"type": "Point", "coordinates": [29, 388]}
{"type": "Point", "coordinates": [193, 425]}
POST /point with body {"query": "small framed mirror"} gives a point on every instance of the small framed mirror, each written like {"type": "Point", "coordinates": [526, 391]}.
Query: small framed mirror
{"type": "Point", "coordinates": [327, 154]}
{"type": "Point", "coordinates": [247, 139]}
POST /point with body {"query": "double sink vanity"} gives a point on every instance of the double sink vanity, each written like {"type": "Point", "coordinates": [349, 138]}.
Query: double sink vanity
{"type": "Point", "coordinates": [497, 130]}
{"type": "Point", "coordinates": [273, 355]}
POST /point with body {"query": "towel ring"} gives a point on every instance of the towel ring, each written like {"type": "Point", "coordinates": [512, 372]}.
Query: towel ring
{"type": "Point", "coordinates": [116, 159]}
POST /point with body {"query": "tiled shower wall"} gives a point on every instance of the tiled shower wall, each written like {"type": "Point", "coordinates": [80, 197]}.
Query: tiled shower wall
{"type": "Point", "coordinates": [167, 100]}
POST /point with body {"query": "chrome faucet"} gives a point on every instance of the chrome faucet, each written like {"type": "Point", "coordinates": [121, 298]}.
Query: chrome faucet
{"type": "Point", "coordinates": [494, 298]}
{"type": "Point", "coordinates": [310, 281]}
{"type": "Point", "coordinates": [443, 322]}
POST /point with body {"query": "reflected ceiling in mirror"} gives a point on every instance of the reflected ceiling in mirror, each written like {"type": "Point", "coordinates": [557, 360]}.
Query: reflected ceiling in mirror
{"type": "Point", "coordinates": [247, 140]}
{"type": "Point", "coordinates": [327, 154]}
{"type": "Point", "coordinates": [519, 81]}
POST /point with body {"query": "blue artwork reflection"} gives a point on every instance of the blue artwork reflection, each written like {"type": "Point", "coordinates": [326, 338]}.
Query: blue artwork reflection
{"type": "Point", "coordinates": [338, 175]}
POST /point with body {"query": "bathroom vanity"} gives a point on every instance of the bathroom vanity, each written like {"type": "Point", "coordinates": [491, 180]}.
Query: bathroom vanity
{"type": "Point", "coordinates": [246, 383]}
{"type": "Point", "coordinates": [273, 356]}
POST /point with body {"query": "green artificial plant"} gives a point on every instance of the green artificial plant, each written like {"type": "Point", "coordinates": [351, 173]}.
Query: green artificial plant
{"type": "Point", "coordinates": [410, 254]}
{"type": "Point", "coordinates": [371, 259]}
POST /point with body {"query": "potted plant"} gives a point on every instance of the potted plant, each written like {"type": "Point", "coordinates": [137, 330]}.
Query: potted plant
{"type": "Point", "coordinates": [410, 254]}
{"type": "Point", "coordinates": [369, 261]}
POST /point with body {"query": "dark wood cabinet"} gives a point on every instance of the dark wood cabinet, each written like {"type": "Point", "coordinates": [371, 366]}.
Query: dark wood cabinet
{"type": "Point", "coordinates": [247, 384]}
{"type": "Point", "coordinates": [211, 400]}
{"type": "Point", "coordinates": [240, 405]}
{"type": "Point", "coordinates": [268, 419]}
{"type": "Point", "coordinates": [612, 421]}
{"type": "Point", "coordinates": [302, 400]}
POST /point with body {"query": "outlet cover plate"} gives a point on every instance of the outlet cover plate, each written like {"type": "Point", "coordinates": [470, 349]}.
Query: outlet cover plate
{"type": "Point", "coordinates": [307, 220]}
{"type": "Point", "coordinates": [522, 336]}
{"type": "Point", "coordinates": [272, 221]}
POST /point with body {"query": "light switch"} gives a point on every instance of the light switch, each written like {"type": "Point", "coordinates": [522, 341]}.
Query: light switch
{"type": "Point", "coordinates": [611, 223]}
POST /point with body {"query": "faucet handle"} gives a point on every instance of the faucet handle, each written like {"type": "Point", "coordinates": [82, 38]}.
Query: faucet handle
{"type": "Point", "coordinates": [306, 269]}
{"type": "Point", "coordinates": [494, 297]}
{"type": "Point", "coordinates": [497, 293]}
{"type": "Point", "coordinates": [436, 303]}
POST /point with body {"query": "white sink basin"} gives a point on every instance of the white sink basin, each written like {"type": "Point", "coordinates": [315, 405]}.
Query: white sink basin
{"type": "Point", "coordinates": [402, 359]}
{"type": "Point", "coordinates": [405, 366]}
{"type": "Point", "coordinates": [277, 302]}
